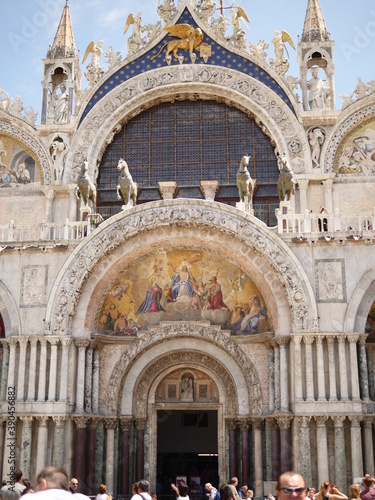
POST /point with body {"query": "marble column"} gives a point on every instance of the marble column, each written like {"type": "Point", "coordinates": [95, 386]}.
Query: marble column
{"type": "Point", "coordinates": [332, 369]}
{"type": "Point", "coordinates": [81, 344]}
{"type": "Point", "coordinates": [304, 448]}
{"type": "Point", "coordinates": [283, 374]}
{"type": "Point", "coordinates": [42, 370]}
{"type": "Point", "coordinates": [32, 370]}
{"type": "Point", "coordinates": [271, 384]}
{"type": "Point", "coordinates": [275, 446]}
{"type": "Point", "coordinates": [370, 368]}
{"type": "Point", "coordinates": [2, 442]}
{"type": "Point", "coordinates": [257, 425]}
{"type": "Point", "coordinates": [276, 352]}
{"type": "Point", "coordinates": [363, 370]}
{"type": "Point", "coordinates": [231, 426]}
{"type": "Point", "coordinates": [27, 423]}
{"type": "Point", "coordinates": [79, 455]}
{"type": "Point", "coordinates": [89, 377]}
{"type": "Point", "coordinates": [4, 369]}
{"type": "Point", "coordinates": [53, 369]}
{"type": "Point", "coordinates": [140, 424]}
{"type": "Point", "coordinates": [126, 424]}
{"type": "Point", "coordinates": [322, 448]}
{"type": "Point", "coordinates": [90, 464]}
{"type": "Point", "coordinates": [21, 373]}
{"type": "Point", "coordinates": [41, 454]}
{"type": "Point", "coordinates": [344, 393]}
{"type": "Point", "coordinates": [368, 444]}
{"type": "Point", "coordinates": [328, 199]}
{"type": "Point", "coordinates": [99, 452]}
{"type": "Point", "coordinates": [303, 184]}
{"type": "Point", "coordinates": [309, 368]}
{"type": "Point", "coordinates": [58, 440]}
{"type": "Point", "coordinates": [65, 343]}
{"type": "Point", "coordinates": [243, 424]}
{"type": "Point", "coordinates": [320, 368]}
{"type": "Point", "coordinates": [12, 362]}
{"type": "Point", "coordinates": [111, 424]}
{"type": "Point", "coordinates": [286, 449]}
{"type": "Point", "coordinates": [95, 382]}
{"type": "Point", "coordinates": [340, 457]}
{"type": "Point", "coordinates": [353, 366]}
{"type": "Point", "coordinates": [298, 388]}
{"type": "Point", "coordinates": [356, 445]}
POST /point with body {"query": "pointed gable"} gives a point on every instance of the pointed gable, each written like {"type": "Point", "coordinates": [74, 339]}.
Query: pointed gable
{"type": "Point", "coordinates": [314, 28]}
{"type": "Point", "coordinates": [63, 43]}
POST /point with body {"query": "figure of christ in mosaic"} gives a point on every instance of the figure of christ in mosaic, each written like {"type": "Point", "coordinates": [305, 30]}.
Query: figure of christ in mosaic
{"type": "Point", "coordinates": [357, 156]}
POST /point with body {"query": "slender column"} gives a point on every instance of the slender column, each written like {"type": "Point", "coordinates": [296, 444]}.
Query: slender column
{"type": "Point", "coordinates": [320, 368]}
{"type": "Point", "coordinates": [352, 339]}
{"type": "Point", "coordinates": [276, 352]}
{"type": "Point", "coordinates": [81, 423]}
{"type": "Point", "coordinates": [41, 454]}
{"type": "Point", "coordinates": [302, 184]}
{"type": "Point", "coordinates": [53, 369]}
{"type": "Point", "coordinates": [88, 380]}
{"type": "Point", "coordinates": [257, 425]}
{"type": "Point", "coordinates": [111, 424]}
{"type": "Point", "coordinates": [332, 369]}
{"type": "Point", "coordinates": [322, 448]}
{"type": "Point", "coordinates": [21, 373]}
{"type": "Point", "coordinates": [12, 361]}
{"type": "Point", "coordinates": [271, 378]}
{"type": "Point", "coordinates": [286, 450]}
{"type": "Point", "coordinates": [356, 445]}
{"type": "Point", "coordinates": [64, 369]}
{"type": "Point", "coordinates": [32, 370]}
{"type": "Point", "coordinates": [231, 425]}
{"type": "Point", "coordinates": [284, 382]}
{"type": "Point", "coordinates": [309, 369]}
{"type": "Point", "coordinates": [81, 344]}
{"type": "Point", "coordinates": [368, 446]}
{"type": "Point", "coordinates": [42, 370]}
{"type": "Point", "coordinates": [90, 463]}
{"type": "Point", "coordinates": [126, 424]}
{"type": "Point", "coordinates": [298, 394]}
{"type": "Point", "coordinates": [363, 370]}
{"type": "Point", "coordinates": [328, 200]}
{"type": "Point", "coordinates": [95, 383]}
{"type": "Point", "coordinates": [275, 446]}
{"type": "Point", "coordinates": [99, 458]}
{"type": "Point", "coordinates": [58, 440]}
{"type": "Point", "coordinates": [2, 443]}
{"type": "Point", "coordinates": [370, 368]}
{"type": "Point", "coordinates": [340, 457]}
{"type": "Point", "coordinates": [26, 445]}
{"type": "Point", "coordinates": [245, 449]}
{"type": "Point", "coordinates": [304, 450]}
{"type": "Point", "coordinates": [343, 369]}
{"type": "Point", "coordinates": [4, 369]}
{"type": "Point", "coordinates": [140, 424]}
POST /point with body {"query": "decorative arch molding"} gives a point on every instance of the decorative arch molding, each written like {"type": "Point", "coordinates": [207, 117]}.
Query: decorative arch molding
{"type": "Point", "coordinates": [10, 312]}
{"type": "Point", "coordinates": [25, 134]}
{"type": "Point", "coordinates": [360, 303]}
{"type": "Point", "coordinates": [248, 232]}
{"type": "Point", "coordinates": [210, 345]}
{"type": "Point", "coordinates": [188, 81]}
{"type": "Point", "coordinates": [354, 116]}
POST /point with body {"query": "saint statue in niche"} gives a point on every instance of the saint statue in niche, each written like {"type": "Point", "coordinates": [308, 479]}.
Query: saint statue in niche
{"type": "Point", "coordinates": [187, 389]}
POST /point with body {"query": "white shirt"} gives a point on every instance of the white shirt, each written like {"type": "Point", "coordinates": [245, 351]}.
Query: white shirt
{"type": "Point", "coordinates": [52, 494]}
{"type": "Point", "coordinates": [137, 496]}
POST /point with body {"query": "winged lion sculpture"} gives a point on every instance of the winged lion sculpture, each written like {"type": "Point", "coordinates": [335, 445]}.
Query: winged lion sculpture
{"type": "Point", "coordinates": [189, 39]}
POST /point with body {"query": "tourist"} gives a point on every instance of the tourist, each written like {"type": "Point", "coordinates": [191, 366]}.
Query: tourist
{"type": "Point", "coordinates": [233, 484]}
{"type": "Point", "coordinates": [182, 491]}
{"type": "Point", "coordinates": [226, 492]}
{"type": "Point", "coordinates": [369, 491]}
{"type": "Point", "coordinates": [73, 485]}
{"type": "Point", "coordinates": [243, 491]}
{"type": "Point", "coordinates": [52, 483]}
{"type": "Point", "coordinates": [102, 493]}
{"type": "Point", "coordinates": [330, 492]}
{"type": "Point", "coordinates": [355, 491]}
{"type": "Point", "coordinates": [143, 488]}
{"type": "Point", "coordinates": [13, 492]}
{"type": "Point", "coordinates": [291, 486]}
{"type": "Point", "coordinates": [212, 491]}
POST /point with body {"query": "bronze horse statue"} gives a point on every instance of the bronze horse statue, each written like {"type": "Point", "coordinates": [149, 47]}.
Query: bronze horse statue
{"type": "Point", "coordinates": [85, 188]}
{"type": "Point", "coordinates": [285, 184]}
{"type": "Point", "coordinates": [126, 187]}
{"type": "Point", "coordinates": [245, 183]}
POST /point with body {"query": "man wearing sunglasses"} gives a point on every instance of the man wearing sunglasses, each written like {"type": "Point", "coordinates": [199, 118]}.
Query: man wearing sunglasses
{"type": "Point", "coordinates": [291, 486]}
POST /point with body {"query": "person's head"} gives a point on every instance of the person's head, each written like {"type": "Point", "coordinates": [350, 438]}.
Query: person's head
{"type": "Point", "coordinates": [73, 484]}
{"type": "Point", "coordinates": [226, 492]}
{"type": "Point", "coordinates": [208, 486]}
{"type": "Point", "coordinates": [249, 494]}
{"type": "Point", "coordinates": [52, 477]}
{"type": "Point", "coordinates": [311, 492]}
{"type": "Point", "coordinates": [134, 488]}
{"type": "Point", "coordinates": [18, 475]}
{"type": "Point", "coordinates": [143, 485]}
{"type": "Point", "coordinates": [234, 481]}
{"type": "Point", "coordinates": [183, 489]}
{"type": "Point", "coordinates": [367, 482]}
{"type": "Point", "coordinates": [324, 488]}
{"type": "Point", "coordinates": [244, 489]}
{"type": "Point", "coordinates": [291, 486]}
{"type": "Point", "coordinates": [102, 489]}
{"type": "Point", "coordinates": [354, 491]}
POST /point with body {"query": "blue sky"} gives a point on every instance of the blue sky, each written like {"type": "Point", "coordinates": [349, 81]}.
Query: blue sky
{"type": "Point", "coordinates": [29, 26]}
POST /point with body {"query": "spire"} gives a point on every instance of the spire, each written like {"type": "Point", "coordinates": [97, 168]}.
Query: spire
{"type": "Point", "coordinates": [314, 29]}
{"type": "Point", "coordinates": [63, 44]}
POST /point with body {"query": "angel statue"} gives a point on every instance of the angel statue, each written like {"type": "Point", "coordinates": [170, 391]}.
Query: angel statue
{"type": "Point", "coordinates": [94, 70]}
{"type": "Point", "coordinates": [135, 40]}
{"type": "Point", "coordinates": [281, 63]}
{"type": "Point", "coordinates": [190, 38]}
{"type": "Point", "coordinates": [238, 37]}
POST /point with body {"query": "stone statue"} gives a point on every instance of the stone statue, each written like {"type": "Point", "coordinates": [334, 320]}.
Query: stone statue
{"type": "Point", "coordinates": [281, 63]}
{"type": "Point", "coordinates": [285, 184]}
{"type": "Point", "coordinates": [5, 101]}
{"type": "Point", "coordinates": [31, 116]}
{"type": "Point", "coordinates": [205, 9]}
{"type": "Point", "coordinates": [360, 89]}
{"type": "Point", "coordinates": [316, 89]}
{"type": "Point", "coordinates": [187, 388]}
{"type": "Point", "coordinates": [60, 112]}
{"type": "Point", "coordinates": [245, 184]}
{"type": "Point", "coordinates": [58, 154]}
{"type": "Point", "coordinates": [17, 107]}
{"type": "Point", "coordinates": [316, 139]}
{"type": "Point", "coordinates": [166, 10]}
{"type": "Point", "coordinates": [94, 70]}
{"type": "Point", "coordinates": [135, 40]}
{"type": "Point", "coordinates": [126, 187]}
{"type": "Point", "coordinates": [219, 25]}
{"type": "Point", "coordinates": [259, 50]}
{"type": "Point", "coordinates": [85, 188]}
{"type": "Point", "coordinates": [112, 58]}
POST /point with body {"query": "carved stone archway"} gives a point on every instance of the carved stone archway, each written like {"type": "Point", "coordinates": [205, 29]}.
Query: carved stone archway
{"type": "Point", "coordinates": [10, 312]}
{"type": "Point", "coordinates": [360, 304]}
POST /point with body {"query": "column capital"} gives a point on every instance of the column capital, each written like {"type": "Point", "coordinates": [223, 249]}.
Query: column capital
{"type": "Point", "coordinates": [303, 183]}
{"type": "Point", "coordinates": [59, 421]}
{"type": "Point", "coordinates": [43, 420]}
{"type": "Point", "coordinates": [126, 423]}
{"type": "Point", "coordinates": [140, 422]}
{"type": "Point", "coordinates": [320, 420]}
{"type": "Point", "coordinates": [341, 338]}
{"type": "Point", "coordinates": [94, 421]}
{"type": "Point", "coordinates": [33, 341]}
{"type": "Point", "coordinates": [80, 421]}
{"type": "Point", "coordinates": [274, 344]}
{"type": "Point", "coordinates": [355, 420]}
{"type": "Point", "coordinates": [27, 422]}
{"type": "Point", "coordinates": [43, 341]}
{"type": "Point", "coordinates": [272, 422]}
{"type": "Point", "coordinates": [23, 341]}
{"type": "Point", "coordinates": [82, 343]}
{"type": "Point", "coordinates": [368, 420]}
{"type": "Point", "coordinates": [338, 420]}
{"type": "Point", "coordinates": [54, 341]}
{"type": "Point", "coordinates": [319, 339]}
{"type": "Point", "coordinates": [308, 339]}
{"type": "Point", "coordinates": [353, 339]}
{"type": "Point", "coordinates": [110, 423]}
{"type": "Point", "coordinates": [283, 341]}
{"type": "Point", "coordinates": [297, 339]}
{"type": "Point", "coordinates": [284, 421]}
{"type": "Point", "coordinates": [243, 423]}
{"type": "Point", "coordinates": [330, 340]}
{"type": "Point", "coordinates": [304, 420]}
{"type": "Point", "coordinates": [65, 342]}
{"type": "Point", "coordinates": [362, 338]}
{"type": "Point", "coordinates": [231, 423]}
{"type": "Point", "coordinates": [256, 423]}
{"type": "Point", "coordinates": [209, 189]}
{"type": "Point", "coordinates": [12, 341]}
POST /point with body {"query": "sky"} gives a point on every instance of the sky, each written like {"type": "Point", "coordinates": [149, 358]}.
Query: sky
{"type": "Point", "coordinates": [28, 28]}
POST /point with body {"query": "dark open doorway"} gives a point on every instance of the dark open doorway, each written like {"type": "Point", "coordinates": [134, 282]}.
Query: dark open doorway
{"type": "Point", "coordinates": [186, 447]}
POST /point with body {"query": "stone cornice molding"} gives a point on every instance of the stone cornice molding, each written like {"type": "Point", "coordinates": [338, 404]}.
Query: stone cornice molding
{"type": "Point", "coordinates": [116, 231]}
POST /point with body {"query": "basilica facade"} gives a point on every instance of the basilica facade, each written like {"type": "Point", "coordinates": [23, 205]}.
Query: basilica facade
{"type": "Point", "coordinates": [153, 324]}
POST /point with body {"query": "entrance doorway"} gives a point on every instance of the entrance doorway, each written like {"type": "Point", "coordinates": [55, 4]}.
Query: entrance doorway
{"type": "Point", "coordinates": [187, 448]}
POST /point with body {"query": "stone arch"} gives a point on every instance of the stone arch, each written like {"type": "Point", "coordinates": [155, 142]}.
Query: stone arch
{"type": "Point", "coordinates": [359, 304]}
{"type": "Point", "coordinates": [227, 85]}
{"type": "Point", "coordinates": [25, 135]}
{"type": "Point", "coordinates": [278, 263]}
{"type": "Point", "coordinates": [212, 348]}
{"type": "Point", "coordinates": [10, 312]}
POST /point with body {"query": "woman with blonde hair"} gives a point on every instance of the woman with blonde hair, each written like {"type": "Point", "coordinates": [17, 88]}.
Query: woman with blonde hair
{"type": "Point", "coordinates": [102, 493]}
{"type": "Point", "coordinates": [329, 492]}
{"type": "Point", "coordinates": [355, 491]}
